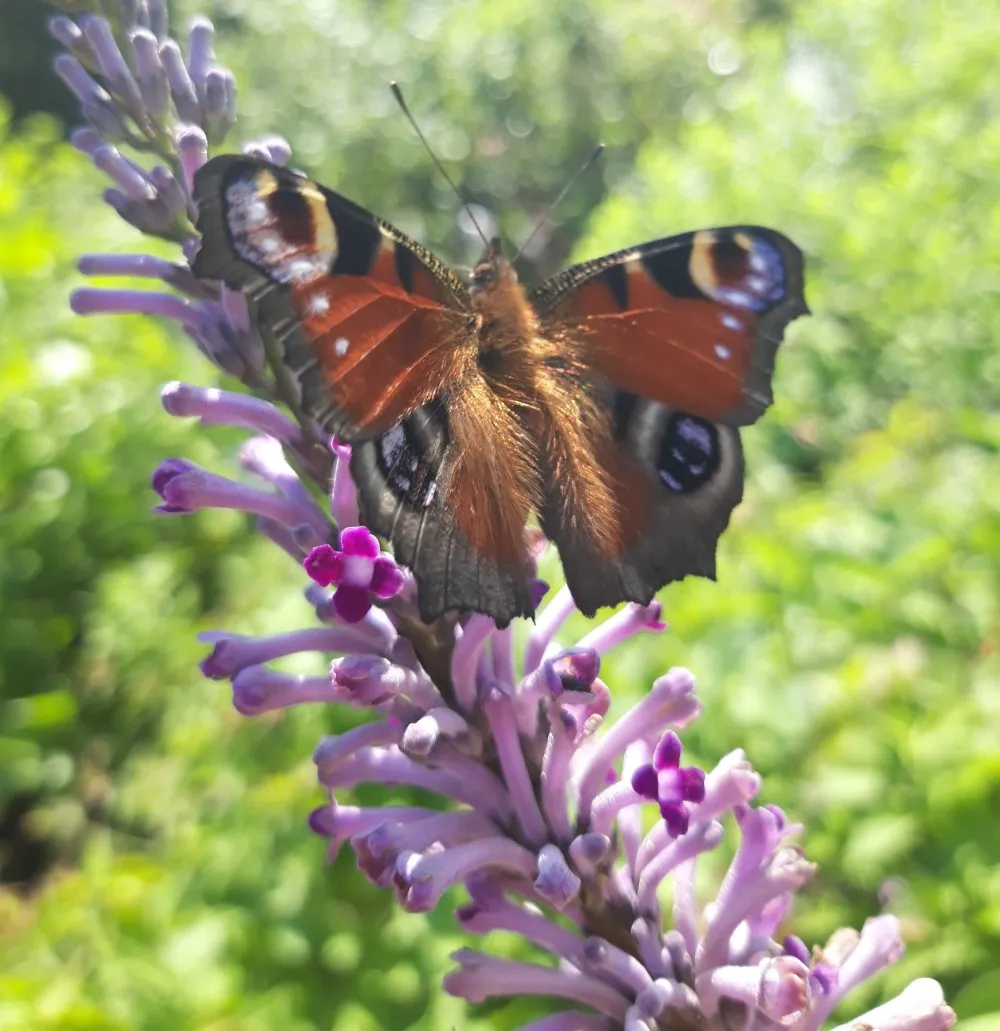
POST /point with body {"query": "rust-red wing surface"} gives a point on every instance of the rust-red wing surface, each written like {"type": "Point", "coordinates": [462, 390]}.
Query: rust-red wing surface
{"type": "Point", "coordinates": [692, 321]}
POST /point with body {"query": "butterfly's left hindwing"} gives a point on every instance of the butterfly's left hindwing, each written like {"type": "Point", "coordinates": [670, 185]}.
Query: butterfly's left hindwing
{"type": "Point", "coordinates": [356, 317]}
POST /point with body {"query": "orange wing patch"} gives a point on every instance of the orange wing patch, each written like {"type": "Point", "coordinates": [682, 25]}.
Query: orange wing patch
{"type": "Point", "coordinates": [381, 352]}
{"type": "Point", "coordinates": [693, 321]}
{"type": "Point", "coordinates": [690, 354]}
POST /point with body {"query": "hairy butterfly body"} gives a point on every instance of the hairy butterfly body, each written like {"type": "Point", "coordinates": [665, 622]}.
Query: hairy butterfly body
{"type": "Point", "coordinates": [607, 401]}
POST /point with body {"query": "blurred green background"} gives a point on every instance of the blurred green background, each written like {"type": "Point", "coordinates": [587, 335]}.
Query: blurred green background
{"type": "Point", "coordinates": [157, 873]}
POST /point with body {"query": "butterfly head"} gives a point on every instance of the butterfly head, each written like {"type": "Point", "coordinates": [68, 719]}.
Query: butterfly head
{"type": "Point", "coordinates": [492, 269]}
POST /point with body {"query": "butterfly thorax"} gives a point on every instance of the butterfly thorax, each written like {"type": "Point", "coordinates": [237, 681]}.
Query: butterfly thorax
{"type": "Point", "coordinates": [507, 328]}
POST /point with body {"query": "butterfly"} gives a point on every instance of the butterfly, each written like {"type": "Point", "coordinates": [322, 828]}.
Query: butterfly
{"type": "Point", "coordinates": [607, 402]}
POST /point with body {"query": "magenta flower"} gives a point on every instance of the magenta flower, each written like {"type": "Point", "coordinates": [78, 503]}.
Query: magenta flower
{"type": "Point", "coordinates": [359, 571]}
{"type": "Point", "coordinates": [663, 781]}
{"type": "Point", "coordinates": [545, 824]}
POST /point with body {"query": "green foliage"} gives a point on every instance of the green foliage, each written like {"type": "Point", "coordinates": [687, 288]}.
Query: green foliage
{"type": "Point", "coordinates": [850, 645]}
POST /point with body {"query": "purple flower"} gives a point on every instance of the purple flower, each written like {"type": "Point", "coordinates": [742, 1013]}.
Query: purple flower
{"type": "Point", "coordinates": [359, 571]}
{"type": "Point", "coordinates": [664, 782]}
{"type": "Point", "coordinates": [546, 799]}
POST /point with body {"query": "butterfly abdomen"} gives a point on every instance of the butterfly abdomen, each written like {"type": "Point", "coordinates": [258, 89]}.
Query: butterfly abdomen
{"type": "Point", "coordinates": [495, 485]}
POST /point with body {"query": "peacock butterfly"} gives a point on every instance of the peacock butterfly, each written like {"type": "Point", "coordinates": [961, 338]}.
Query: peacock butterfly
{"type": "Point", "coordinates": [608, 401]}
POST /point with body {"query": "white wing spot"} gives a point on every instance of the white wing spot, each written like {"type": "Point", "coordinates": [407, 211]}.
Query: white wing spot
{"type": "Point", "coordinates": [301, 269]}
{"type": "Point", "coordinates": [393, 441]}
{"type": "Point", "coordinates": [319, 304]}
{"type": "Point", "coordinates": [732, 322]}
{"type": "Point", "coordinates": [257, 212]}
{"type": "Point", "coordinates": [722, 351]}
{"type": "Point", "coordinates": [340, 346]}
{"type": "Point", "coordinates": [241, 192]}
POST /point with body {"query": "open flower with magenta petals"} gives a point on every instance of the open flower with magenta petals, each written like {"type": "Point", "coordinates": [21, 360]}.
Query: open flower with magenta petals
{"type": "Point", "coordinates": [546, 816]}
{"type": "Point", "coordinates": [360, 571]}
{"type": "Point", "coordinates": [664, 782]}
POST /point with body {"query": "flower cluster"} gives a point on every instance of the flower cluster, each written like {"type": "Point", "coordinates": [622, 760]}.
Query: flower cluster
{"type": "Point", "coordinates": [562, 826]}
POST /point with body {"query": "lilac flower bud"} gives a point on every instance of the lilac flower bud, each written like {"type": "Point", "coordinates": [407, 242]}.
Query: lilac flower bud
{"type": "Point", "coordinates": [79, 82]}
{"type": "Point", "coordinates": [559, 751]}
{"type": "Point", "coordinates": [258, 689]}
{"type": "Point", "coordinates": [499, 712]}
{"type": "Point", "coordinates": [105, 120]}
{"type": "Point", "coordinates": [192, 149]}
{"type": "Point", "coordinates": [90, 301]}
{"type": "Point", "coordinates": [186, 488]}
{"type": "Point", "coordinates": [150, 74]}
{"type": "Point", "coordinates": [617, 965]}
{"type": "Point", "coordinates": [920, 1007]}
{"type": "Point", "coordinates": [158, 17]}
{"type": "Point", "coordinates": [214, 407]}
{"type": "Point", "coordinates": [218, 103]}
{"type": "Point", "coordinates": [556, 882]}
{"type": "Point", "coordinates": [702, 838]}
{"type": "Point", "coordinates": [124, 174]}
{"type": "Point", "coordinates": [438, 724]}
{"type": "Point", "coordinates": [341, 823]}
{"type": "Point", "coordinates": [623, 625]}
{"type": "Point", "coordinates": [86, 140]}
{"type": "Point", "coordinates": [465, 658]}
{"type": "Point", "coordinates": [271, 148]}
{"type": "Point", "coordinates": [337, 748]}
{"type": "Point", "coordinates": [232, 653]}
{"type": "Point", "coordinates": [170, 193]}
{"type": "Point", "coordinates": [777, 988]}
{"type": "Point", "coordinates": [114, 68]}
{"type": "Point", "coordinates": [547, 625]}
{"type": "Point", "coordinates": [373, 680]}
{"type": "Point", "coordinates": [201, 51]}
{"type": "Point", "coordinates": [141, 266]}
{"type": "Point", "coordinates": [182, 89]}
{"type": "Point", "coordinates": [480, 977]}
{"type": "Point", "coordinates": [67, 34]}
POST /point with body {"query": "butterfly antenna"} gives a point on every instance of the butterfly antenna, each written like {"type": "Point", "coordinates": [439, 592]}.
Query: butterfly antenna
{"type": "Point", "coordinates": [398, 94]}
{"type": "Point", "coordinates": [591, 158]}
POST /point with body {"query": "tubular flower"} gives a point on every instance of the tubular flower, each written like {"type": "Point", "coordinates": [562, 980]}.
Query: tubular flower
{"type": "Point", "coordinates": [561, 825]}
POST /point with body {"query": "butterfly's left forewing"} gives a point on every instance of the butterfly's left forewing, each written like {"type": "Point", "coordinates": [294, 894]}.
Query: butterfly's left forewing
{"type": "Point", "coordinates": [675, 341]}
